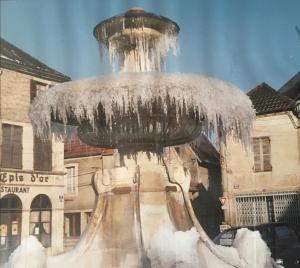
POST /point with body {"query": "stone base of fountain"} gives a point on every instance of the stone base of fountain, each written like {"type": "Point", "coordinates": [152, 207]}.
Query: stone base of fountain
{"type": "Point", "coordinates": [134, 201]}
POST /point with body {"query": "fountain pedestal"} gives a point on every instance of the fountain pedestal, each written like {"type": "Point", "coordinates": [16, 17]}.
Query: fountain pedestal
{"type": "Point", "coordinates": [133, 203]}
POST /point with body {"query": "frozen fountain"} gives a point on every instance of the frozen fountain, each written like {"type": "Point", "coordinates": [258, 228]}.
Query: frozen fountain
{"type": "Point", "coordinates": [142, 112]}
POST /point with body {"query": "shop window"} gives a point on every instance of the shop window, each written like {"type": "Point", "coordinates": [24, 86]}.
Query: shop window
{"type": "Point", "coordinates": [40, 219]}
{"type": "Point", "coordinates": [72, 224]}
{"type": "Point", "coordinates": [10, 224]}
{"type": "Point", "coordinates": [11, 148]}
{"type": "Point", "coordinates": [42, 154]}
{"type": "Point", "coordinates": [262, 154]}
{"type": "Point", "coordinates": [71, 179]}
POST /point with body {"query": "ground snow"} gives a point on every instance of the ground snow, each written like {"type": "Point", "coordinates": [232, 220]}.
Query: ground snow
{"type": "Point", "coordinates": [30, 254]}
{"type": "Point", "coordinates": [167, 250]}
{"type": "Point", "coordinates": [184, 249]}
{"type": "Point", "coordinates": [252, 249]}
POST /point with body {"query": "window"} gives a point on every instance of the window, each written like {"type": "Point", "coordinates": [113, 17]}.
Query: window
{"type": "Point", "coordinates": [71, 179]}
{"type": "Point", "coordinates": [262, 154]}
{"type": "Point", "coordinates": [42, 154]}
{"type": "Point", "coordinates": [11, 148]}
{"type": "Point", "coordinates": [40, 219]}
{"type": "Point", "coordinates": [10, 223]}
{"type": "Point", "coordinates": [72, 224]}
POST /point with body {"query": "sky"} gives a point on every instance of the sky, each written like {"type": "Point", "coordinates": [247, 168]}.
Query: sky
{"type": "Point", "coordinates": [245, 42]}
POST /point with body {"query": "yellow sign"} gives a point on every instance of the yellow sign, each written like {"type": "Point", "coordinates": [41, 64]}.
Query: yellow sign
{"type": "Point", "coordinates": [3, 230]}
{"type": "Point", "coordinates": [14, 228]}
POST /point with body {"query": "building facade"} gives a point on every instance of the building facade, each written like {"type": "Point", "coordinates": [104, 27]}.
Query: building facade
{"type": "Point", "coordinates": [263, 184]}
{"type": "Point", "coordinates": [81, 163]}
{"type": "Point", "coordinates": [32, 170]}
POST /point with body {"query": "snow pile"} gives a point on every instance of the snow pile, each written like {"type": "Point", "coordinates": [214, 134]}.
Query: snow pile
{"type": "Point", "coordinates": [184, 249]}
{"type": "Point", "coordinates": [174, 249]}
{"type": "Point", "coordinates": [30, 254]}
{"type": "Point", "coordinates": [252, 249]}
{"type": "Point", "coordinates": [221, 106]}
{"type": "Point", "coordinates": [167, 249]}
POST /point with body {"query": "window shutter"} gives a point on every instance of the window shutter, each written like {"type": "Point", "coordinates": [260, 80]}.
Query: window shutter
{"type": "Point", "coordinates": [6, 148]}
{"type": "Point", "coordinates": [17, 147]}
{"type": "Point", "coordinates": [33, 90]}
{"type": "Point", "coordinates": [42, 154]}
{"type": "Point", "coordinates": [262, 154]}
{"type": "Point", "coordinates": [11, 149]}
{"type": "Point", "coordinates": [266, 154]}
{"type": "Point", "coordinates": [257, 156]}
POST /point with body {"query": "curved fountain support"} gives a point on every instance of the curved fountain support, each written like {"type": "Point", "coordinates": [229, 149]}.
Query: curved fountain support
{"type": "Point", "coordinates": [132, 203]}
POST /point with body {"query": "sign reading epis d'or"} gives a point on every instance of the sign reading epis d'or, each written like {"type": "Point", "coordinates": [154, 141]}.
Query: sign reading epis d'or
{"type": "Point", "coordinates": [19, 182]}
{"type": "Point", "coordinates": [24, 178]}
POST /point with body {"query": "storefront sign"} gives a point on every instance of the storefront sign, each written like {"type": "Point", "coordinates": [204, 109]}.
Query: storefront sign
{"type": "Point", "coordinates": [13, 189]}
{"type": "Point", "coordinates": [24, 178]}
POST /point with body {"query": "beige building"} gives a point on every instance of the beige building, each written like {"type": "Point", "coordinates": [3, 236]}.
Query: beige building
{"type": "Point", "coordinates": [81, 163]}
{"type": "Point", "coordinates": [263, 184]}
{"type": "Point", "coordinates": [32, 171]}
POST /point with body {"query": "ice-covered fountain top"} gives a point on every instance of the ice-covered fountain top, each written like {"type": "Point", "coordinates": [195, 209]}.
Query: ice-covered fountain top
{"type": "Point", "coordinates": [142, 108]}
{"type": "Point", "coordinates": [137, 41]}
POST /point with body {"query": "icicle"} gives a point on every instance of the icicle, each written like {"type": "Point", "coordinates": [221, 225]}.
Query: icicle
{"type": "Point", "coordinates": [223, 106]}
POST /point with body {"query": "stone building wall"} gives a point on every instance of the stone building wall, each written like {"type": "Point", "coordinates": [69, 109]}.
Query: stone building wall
{"type": "Point", "coordinates": [15, 101]}
{"type": "Point", "coordinates": [238, 173]}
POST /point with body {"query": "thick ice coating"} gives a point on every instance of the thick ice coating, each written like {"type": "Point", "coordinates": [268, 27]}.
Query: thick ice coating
{"type": "Point", "coordinates": [222, 106]}
{"type": "Point", "coordinates": [168, 249]}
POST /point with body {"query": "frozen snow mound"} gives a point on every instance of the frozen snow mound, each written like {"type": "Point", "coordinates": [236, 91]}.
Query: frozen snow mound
{"type": "Point", "coordinates": [167, 249]}
{"type": "Point", "coordinates": [30, 254]}
{"type": "Point", "coordinates": [221, 106]}
{"type": "Point", "coordinates": [185, 250]}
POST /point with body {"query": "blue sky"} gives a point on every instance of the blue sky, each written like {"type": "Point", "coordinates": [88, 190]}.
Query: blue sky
{"type": "Point", "coordinates": [245, 42]}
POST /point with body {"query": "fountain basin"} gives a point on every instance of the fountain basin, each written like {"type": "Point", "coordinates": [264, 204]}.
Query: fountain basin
{"type": "Point", "coordinates": [141, 109]}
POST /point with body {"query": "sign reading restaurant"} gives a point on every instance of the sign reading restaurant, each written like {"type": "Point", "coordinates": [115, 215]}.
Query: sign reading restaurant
{"type": "Point", "coordinates": [20, 182]}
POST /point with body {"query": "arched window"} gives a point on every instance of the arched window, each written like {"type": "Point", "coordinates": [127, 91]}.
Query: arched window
{"type": "Point", "coordinates": [40, 219]}
{"type": "Point", "coordinates": [10, 223]}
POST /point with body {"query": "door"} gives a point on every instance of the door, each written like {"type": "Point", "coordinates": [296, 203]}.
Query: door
{"type": "Point", "coordinates": [10, 225]}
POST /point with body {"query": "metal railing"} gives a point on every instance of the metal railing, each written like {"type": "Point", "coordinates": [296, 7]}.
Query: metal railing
{"type": "Point", "coordinates": [258, 208]}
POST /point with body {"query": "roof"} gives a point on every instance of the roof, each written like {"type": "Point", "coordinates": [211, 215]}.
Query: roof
{"type": "Point", "coordinates": [292, 87]}
{"type": "Point", "coordinates": [267, 100]}
{"type": "Point", "coordinates": [75, 149]}
{"type": "Point", "coordinates": [15, 59]}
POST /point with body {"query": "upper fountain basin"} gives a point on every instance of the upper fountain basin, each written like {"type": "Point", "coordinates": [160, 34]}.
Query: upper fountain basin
{"type": "Point", "coordinates": [134, 18]}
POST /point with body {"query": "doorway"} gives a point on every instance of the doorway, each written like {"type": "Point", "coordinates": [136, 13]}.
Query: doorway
{"type": "Point", "coordinates": [10, 225]}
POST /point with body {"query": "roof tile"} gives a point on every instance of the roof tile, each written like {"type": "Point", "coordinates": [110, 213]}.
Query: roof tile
{"type": "Point", "coordinates": [267, 100]}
